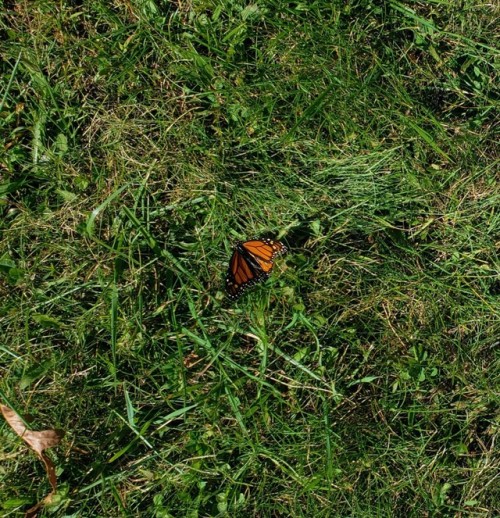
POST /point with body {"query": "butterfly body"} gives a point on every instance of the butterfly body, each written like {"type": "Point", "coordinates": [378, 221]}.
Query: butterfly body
{"type": "Point", "coordinates": [252, 261]}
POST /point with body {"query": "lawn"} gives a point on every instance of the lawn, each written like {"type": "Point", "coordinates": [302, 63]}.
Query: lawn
{"type": "Point", "coordinates": [140, 141]}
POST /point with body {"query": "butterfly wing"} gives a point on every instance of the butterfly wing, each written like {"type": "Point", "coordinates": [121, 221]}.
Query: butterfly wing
{"type": "Point", "coordinates": [240, 275]}
{"type": "Point", "coordinates": [263, 252]}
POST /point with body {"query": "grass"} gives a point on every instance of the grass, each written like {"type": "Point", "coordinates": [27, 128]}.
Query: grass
{"type": "Point", "coordinates": [141, 140]}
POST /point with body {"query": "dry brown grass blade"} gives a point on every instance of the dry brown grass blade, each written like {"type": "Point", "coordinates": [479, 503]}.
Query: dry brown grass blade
{"type": "Point", "coordinates": [38, 442]}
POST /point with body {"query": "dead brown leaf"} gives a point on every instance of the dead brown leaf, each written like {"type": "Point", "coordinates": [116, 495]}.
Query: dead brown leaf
{"type": "Point", "coordinates": [38, 442]}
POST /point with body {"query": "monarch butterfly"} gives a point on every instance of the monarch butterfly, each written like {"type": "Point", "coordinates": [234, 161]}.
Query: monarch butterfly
{"type": "Point", "coordinates": [251, 262]}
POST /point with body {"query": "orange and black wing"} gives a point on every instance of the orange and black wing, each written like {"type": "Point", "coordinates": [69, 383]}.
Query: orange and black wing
{"type": "Point", "coordinates": [263, 252]}
{"type": "Point", "coordinates": [251, 262]}
{"type": "Point", "coordinates": [240, 275]}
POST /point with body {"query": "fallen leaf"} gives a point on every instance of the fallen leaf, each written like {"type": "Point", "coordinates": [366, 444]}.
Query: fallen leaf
{"type": "Point", "coordinates": [38, 442]}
